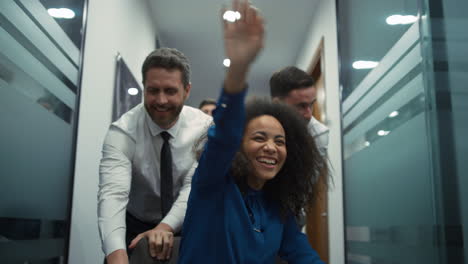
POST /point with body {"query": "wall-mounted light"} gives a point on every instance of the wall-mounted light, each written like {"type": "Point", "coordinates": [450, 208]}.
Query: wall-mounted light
{"type": "Point", "coordinates": [61, 13]}
{"type": "Point", "coordinates": [359, 65]}
{"type": "Point", "coordinates": [227, 62]}
{"type": "Point", "coordinates": [401, 20]}
{"type": "Point", "coordinates": [132, 91]}
{"type": "Point", "coordinates": [231, 16]}
{"type": "Point", "coordinates": [393, 114]}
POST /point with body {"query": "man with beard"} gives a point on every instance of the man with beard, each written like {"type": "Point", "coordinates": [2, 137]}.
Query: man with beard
{"type": "Point", "coordinates": [147, 165]}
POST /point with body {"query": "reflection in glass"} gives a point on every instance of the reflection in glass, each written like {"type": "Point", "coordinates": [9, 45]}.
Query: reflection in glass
{"type": "Point", "coordinates": [366, 36]}
{"type": "Point", "coordinates": [72, 26]}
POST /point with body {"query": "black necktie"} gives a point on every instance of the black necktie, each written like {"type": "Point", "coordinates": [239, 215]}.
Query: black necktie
{"type": "Point", "coordinates": [166, 175]}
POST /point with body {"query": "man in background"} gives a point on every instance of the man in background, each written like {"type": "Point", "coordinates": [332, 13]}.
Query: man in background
{"type": "Point", "coordinates": [295, 87]}
{"type": "Point", "coordinates": [208, 106]}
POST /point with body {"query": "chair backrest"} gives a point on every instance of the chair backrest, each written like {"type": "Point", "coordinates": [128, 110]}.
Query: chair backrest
{"type": "Point", "coordinates": [141, 255]}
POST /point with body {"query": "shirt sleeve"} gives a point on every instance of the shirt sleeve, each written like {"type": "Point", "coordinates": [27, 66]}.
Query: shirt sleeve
{"type": "Point", "coordinates": [295, 248]}
{"type": "Point", "coordinates": [224, 138]}
{"type": "Point", "coordinates": [320, 132]}
{"type": "Point", "coordinates": [114, 187]}
{"type": "Point", "coordinates": [175, 217]}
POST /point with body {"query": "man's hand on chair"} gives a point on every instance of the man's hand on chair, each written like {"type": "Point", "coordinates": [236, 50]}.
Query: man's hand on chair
{"type": "Point", "coordinates": [160, 240]}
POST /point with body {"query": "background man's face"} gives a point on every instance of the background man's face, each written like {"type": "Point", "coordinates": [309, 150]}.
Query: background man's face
{"type": "Point", "coordinates": [165, 95]}
{"type": "Point", "coordinates": [303, 100]}
{"type": "Point", "coordinates": [208, 109]}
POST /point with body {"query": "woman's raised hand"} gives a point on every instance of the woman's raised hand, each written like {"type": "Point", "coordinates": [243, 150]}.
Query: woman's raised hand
{"type": "Point", "coordinates": [243, 38]}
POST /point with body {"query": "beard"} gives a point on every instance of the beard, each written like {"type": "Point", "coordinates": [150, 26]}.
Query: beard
{"type": "Point", "coordinates": [166, 119]}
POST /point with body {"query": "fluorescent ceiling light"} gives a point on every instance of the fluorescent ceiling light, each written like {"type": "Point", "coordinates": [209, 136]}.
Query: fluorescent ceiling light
{"type": "Point", "coordinates": [231, 16]}
{"type": "Point", "coordinates": [61, 13]}
{"type": "Point", "coordinates": [393, 114]}
{"type": "Point", "coordinates": [364, 64]}
{"type": "Point", "coordinates": [132, 91]}
{"type": "Point", "coordinates": [401, 20]}
{"type": "Point", "coordinates": [383, 133]}
{"type": "Point", "coordinates": [227, 62]}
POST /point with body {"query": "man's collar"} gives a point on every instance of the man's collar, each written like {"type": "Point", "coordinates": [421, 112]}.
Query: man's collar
{"type": "Point", "coordinates": [156, 130]}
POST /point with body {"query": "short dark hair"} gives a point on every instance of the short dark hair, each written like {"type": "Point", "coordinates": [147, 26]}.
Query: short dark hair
{"type": "Point", "coordinates": [296, 184]}
{"type": "Point", "coordinates": [288, 79]}
{"type": "Point", "coordinates": [169, 59]}
{"type": "Point", "coordinates": [207, 101]}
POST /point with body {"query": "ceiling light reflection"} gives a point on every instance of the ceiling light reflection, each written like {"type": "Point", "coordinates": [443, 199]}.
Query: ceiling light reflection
{"type": "Point", "coordinates": [401, 20]}
{"type": "Point", "coordinates": [393, 114]}
{"type": "Point", "coordinates": [358, 65]}
{"type": "Point", "coordinates": [231, 16]}
{"type": "Point", "coordinates": [383, 133]}
{"type": "Point", "coordinates": [227, 62]}
{"type": "Point", "coordinates": [61, 13]}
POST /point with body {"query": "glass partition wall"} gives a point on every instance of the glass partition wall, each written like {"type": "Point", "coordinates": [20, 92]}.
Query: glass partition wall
{"type": "Point", "coordinates": [40, 58]}
{"type": "Point", "coordinates": [403, 77]}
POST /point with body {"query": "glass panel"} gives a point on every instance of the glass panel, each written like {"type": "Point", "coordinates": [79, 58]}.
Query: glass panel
{"type": "Point", "coordinates": [456, 37]}
{"type": "Point", "coordinates": [405, 130]}
{"type": "Point", "coordinates": [447, 42]}
{"type": "Point", "coordinates": [390, 213]}
{"type": "Point", "coordinates": [39, 69]}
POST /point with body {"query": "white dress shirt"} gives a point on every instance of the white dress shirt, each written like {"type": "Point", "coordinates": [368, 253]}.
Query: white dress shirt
{"type": "Point", "coordinates": [129, 171]}
{"type": "Point", "coordinates": [320, 133]}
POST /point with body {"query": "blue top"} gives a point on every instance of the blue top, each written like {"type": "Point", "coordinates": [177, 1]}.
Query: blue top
{"type": "Point", "coordinates": [221, 224]}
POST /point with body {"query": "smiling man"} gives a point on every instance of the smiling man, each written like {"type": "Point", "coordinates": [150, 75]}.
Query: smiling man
{"type": "Point", "coordinates": [147, 162]}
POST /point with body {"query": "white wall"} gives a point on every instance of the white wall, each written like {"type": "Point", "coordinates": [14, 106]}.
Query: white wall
{"type": "Point", "coordinates": [113, 26]}
{"type": "Point", "coordinates": [324, 25]}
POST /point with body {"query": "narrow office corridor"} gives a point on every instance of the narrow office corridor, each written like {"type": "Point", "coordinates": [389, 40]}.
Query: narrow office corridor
{"type": "Point", "coordinates": [391, 87]}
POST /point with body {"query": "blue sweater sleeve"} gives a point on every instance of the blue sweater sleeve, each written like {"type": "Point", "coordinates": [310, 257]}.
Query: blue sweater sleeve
{"type": "Point", "coordinates": [224, 138]}
{"type": "Point", "coordinates": [295, 247]}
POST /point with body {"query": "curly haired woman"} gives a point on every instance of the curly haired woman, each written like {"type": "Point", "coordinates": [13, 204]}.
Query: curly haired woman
{"type": "Point", "coordinates": [258, 169]}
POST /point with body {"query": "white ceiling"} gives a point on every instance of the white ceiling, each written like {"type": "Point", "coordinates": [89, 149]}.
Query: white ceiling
{"type": "Point", "coordinates": [194, 27]}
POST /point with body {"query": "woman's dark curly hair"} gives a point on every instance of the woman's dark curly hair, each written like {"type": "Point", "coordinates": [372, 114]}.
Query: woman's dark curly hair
{"type": "Point", "coordinates": [296, 184]}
